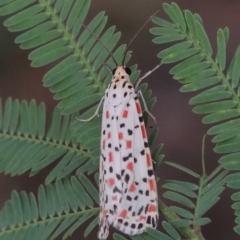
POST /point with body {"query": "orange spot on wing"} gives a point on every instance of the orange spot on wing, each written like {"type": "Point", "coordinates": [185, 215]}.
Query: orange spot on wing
{"type": "Point", "coordinates": [107, 114]}
{"type": "Point", "coordinates": [149, 160]}
{"type": "Point", "coordinates": [129, 144]}
{"type": "Point", "coordinates": [151, 183]}
{"type": "Point", "coordinates": [123, 214]}
{"type": "Point", "coordinates": [138, 106]}
{"type": "Point", "coordinates": [111, 182]}
{"type": "Point", "coordinates": [125, 114]}
{"type": "Point", "coordinates": [120, 135]}
{"type": "Point", "coordinates": [152, 208]}
{"type": "Point", "coordinates": [103, 144]}
{"type": "Point", "coordinates": [110, 157]}
{"type": "Point", "coordinates": [109, 135]}
{"type": "Point", "coordinates": [130, 166]}
{"type": "Point", "coordinates": [143, 131]}
{"type": "Point", "coordinates": [132, 188]}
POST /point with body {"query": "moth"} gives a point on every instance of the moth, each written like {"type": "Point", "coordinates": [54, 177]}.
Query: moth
{"type": "Point", "coordinates": [127, 185]}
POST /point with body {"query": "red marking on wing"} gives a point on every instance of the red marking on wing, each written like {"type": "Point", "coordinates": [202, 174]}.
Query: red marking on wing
{"type": "Point", "coordinates": [114, 198]}
{"type": "Point", "coordinates": [111, 182]}
{"type": "Point", "coordinates": [125, 114]}
{"type": "Point", "coordinates": [143, 131]}
{"type": "Point", "coordinates": [110, 157]}
{"type": "Point", "coordinates": [123, 214]}
{"type": "Point", "coordinates": [129, 144]}
{"type": "Point", "coordinates": [138, 106]}
{"type": "Point", "coordinates": [120, 135]}
{"type": "Point", "coordinates": [152, 208]}
{"type": "Point", "coordinates": [151, 184]}
{"type": "Point", "coordinates": [109, 135]}
{"type": "Point", "coordinates": [105, 212]}
{"type": "Point", "coordinates": [130, 166]}
{"type": "Point", "coordinates": [103, 145]}
{"type": "Point", "coordinates": [149, 160]}
{"type": "Point", "coordinates": [142, 218]}
{"type": "Point", "coordinates": [107, 114]}
{"type": "Point", "coordinates": [132, 188]}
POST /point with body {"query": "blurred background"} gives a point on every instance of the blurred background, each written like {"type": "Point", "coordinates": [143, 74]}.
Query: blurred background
{"type": "Point", "coordinates": [181, 131]}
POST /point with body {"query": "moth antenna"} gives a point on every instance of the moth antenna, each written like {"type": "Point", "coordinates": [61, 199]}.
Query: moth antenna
{"type": "Point", "coordinates": [99, 40]}
{"type": "Point", "coordinates": [134, 37]}
{"type": "Point", "coordinates": [108, 67]}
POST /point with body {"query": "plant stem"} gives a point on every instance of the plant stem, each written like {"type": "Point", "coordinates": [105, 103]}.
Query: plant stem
{"type": "Point", "coordinates": [188, 232]}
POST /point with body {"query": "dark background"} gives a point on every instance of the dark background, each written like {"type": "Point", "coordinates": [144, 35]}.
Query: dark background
{"type": "Point", "coordinates": [181, 131]}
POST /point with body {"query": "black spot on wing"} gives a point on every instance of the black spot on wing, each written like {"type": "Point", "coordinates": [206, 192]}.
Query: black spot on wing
{"type": "Point", "coordinates": [130, 132]}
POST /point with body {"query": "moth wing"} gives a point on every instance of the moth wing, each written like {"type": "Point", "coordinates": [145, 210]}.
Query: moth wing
{"type": "Point", "coordinates": [138, 207]}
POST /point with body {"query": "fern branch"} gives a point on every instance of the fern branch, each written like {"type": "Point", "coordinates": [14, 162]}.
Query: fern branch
{"type": "Point", "coordinates": [198, 70]}
{"type": "Point", "coordinates": [61, 208]}
{"type": "Point", "coordinates": [34, 145]}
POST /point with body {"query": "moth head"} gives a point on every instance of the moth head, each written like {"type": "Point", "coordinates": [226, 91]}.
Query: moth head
{"type": "Point", "coordinates": [121, 70]}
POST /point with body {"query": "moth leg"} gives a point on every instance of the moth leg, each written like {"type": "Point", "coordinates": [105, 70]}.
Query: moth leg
{"type": "Point", "coordinates": [94, 115]}
{"type": "Point", "coordinates": [146, 75]}
{"type": "Point", "coordinates": [139, 93]}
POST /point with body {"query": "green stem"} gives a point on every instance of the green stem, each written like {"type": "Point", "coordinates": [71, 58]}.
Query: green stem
{"type": "Point", "coordinates": [188, 232]}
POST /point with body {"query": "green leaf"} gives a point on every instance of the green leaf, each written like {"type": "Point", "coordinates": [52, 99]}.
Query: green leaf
{"type": "Point", "coordinates": [184, 169]}
{"type": "Point", "coordinates": [169, 38]}
{"type": "Point", "coordinates": [195, 86]}
{"type": "Point", "coordinates": [180, 189]}
{"type": "Point", "coordinates": [236, 196]}
{"type": "Point", "coordinates": [188, 185]}
{"type": "Point", "coordinates": [179, 16]}
{"type": "Point", "coordinates": [181, 212]}
{"type": "Point", "coordinates": [201, 221]}
{"type": "Point", "coordinates": [118, 237]}
{"type": "Point", "coordinates": [214, 107]}
{"type": "Point", "coordinates": [174, 49]}
{"type": "Point", "coordinates": [198, 76]}
{"type": "Point", "coordinates": [209, 97]}
{"type": "Point", "coordinates": [171, 231]}
{"type": "Point", "coordinates": [233, 180]}
{"type": "Point", "coordinates": [223, 127]}
{"type": "Point", "coordinates": [14, 6]}
{"type": "Point", "coordinates": [162, 22]}
{"type": "Point", "coordinates": [23, 15]}
{"type": "Point", "coordinates": [180, 55]}
{"type": "Point", "coordinates": [91, 226]}
{"type": "Point", "coordinates": [193, 69]}
{"type": "Point", "coordinates": [170, 12]}
{"type": "Point", "coordinates": [235, 69]}
{"type": "Point", "coordinates": [220, 116]}
{"type": "Point", "coordinates": [157, 235]}
{"type": "Point", "coordinates": [206, 206]}
{"type": "Point", "coordinates": [185, 64]}
{"type": "Point", "coordinates": [226, 135]}
{"type": "Point", "coordinates": [221, 53]}
{"type": "Point", "coordinates": [181, 223]}
{"type": "Point", "coordinates": [203, 38]}
{"type": "Point", "coordinates": [179, 199]}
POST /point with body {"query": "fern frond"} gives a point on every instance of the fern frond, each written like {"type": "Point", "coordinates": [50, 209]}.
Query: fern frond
{"type": "Point", "coordinates": [217, 86]}
{"type": "Point", "coordinates": [56, 210]}
{"type": "Point", "coordinates": [54, 30]}
{"type": "Point", "coordinates": [198, 198]}
{"type": "Point", "coordinates": [28, 143]}
{"type": "Point", "coordinates": [198, 70]}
